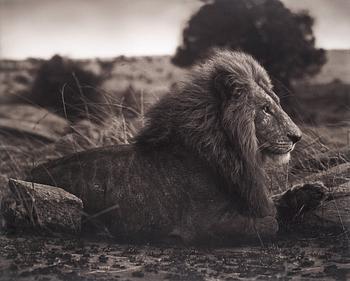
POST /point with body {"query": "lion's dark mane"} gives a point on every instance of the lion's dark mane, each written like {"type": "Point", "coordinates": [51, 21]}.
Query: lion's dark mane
{"type": "Point", "coordinates": [210, 116]}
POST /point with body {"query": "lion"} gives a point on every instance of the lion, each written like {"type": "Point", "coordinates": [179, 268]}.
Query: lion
{"type": "Point", "coordinates": [195, 172]}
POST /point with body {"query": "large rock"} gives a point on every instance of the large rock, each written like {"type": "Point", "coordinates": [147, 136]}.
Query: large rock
{"type": "Point", "coordinates": [38, 206]}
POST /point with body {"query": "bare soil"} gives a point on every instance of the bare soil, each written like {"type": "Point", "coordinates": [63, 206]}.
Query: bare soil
{"type": "Point", "coordinates": [295, 258]}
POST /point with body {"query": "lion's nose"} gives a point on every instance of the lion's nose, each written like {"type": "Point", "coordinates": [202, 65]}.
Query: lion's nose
{"type": "Point", "coordinates": [294, 137]}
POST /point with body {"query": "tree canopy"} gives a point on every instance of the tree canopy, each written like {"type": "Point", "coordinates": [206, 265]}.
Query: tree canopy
{"type": "Point", "coordinates": [282, 41]}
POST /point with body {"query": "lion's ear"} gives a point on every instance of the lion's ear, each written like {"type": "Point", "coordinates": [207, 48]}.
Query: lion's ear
{"type": "Point", "coordinates": [225, 86]}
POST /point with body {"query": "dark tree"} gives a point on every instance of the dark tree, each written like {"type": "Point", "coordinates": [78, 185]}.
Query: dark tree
{"type": "Point", "coordinates": [282, 41]}
{"type": "Point", "coordinates": [63, 86]}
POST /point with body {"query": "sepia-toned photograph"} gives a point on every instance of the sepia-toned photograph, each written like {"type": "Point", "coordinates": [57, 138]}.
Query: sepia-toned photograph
{"type": "Point", "coordinates": [194, 140]}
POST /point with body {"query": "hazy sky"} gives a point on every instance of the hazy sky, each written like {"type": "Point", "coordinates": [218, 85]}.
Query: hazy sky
{"type": "Point", "coordinates": [107, 28]}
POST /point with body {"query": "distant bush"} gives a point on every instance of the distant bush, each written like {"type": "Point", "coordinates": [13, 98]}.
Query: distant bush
{"type": "Point", "coordinates": [107, 67]}
{"type": "Point", "coordinates": [22, 79]}
{"type": "Point", "coordinates": [63, 86]}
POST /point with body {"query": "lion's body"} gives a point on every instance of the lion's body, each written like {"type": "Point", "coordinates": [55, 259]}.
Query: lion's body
{"type": "Point", "coordinates": [196, 169]}
{"type": "Point", "coordinates": [148, 195]}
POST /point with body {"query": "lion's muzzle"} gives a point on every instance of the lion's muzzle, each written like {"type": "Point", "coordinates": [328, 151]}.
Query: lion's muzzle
{"type": "Point", "coordinates": [295, 137]}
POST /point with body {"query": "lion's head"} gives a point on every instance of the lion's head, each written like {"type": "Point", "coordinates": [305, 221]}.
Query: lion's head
{"type": "Point", "coordinates": [247, 95]}
{"type": "Point", "coordinates": [228, 115]}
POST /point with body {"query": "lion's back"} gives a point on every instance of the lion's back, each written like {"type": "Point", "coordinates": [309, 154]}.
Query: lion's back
{"type": "Point", "coordinates": [79, 167]}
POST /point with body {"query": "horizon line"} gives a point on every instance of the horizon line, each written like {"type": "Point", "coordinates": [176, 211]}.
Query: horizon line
{"type": "Point", "coordinates": [116, 56]}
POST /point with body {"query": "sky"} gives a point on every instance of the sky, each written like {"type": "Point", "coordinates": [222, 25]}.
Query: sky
{"type": "Point", "coordinates": [108, 28]}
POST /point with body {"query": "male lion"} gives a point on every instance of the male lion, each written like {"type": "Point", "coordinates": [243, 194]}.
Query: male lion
{"type": "Point", "coordinates": [195, 170]}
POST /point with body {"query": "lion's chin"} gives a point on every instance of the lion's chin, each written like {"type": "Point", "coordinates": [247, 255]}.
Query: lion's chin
{"type": "Point", "coordinates": [279, 158]}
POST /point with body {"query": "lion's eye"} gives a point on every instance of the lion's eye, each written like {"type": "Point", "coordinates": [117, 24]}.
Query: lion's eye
{"type": "Point", "coordinates": [266, 109]}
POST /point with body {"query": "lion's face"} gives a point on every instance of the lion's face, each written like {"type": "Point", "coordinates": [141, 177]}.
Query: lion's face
{"type": "Point", "coordinates": [276, 132]}
{"type": "Point", "coordinates": [252, 115]}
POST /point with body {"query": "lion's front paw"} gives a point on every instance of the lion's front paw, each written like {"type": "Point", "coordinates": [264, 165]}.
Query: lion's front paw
{"type": "Point", "coordinates": [301, 199]}
{"type": "Point", "coordinates": [307, 196]}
